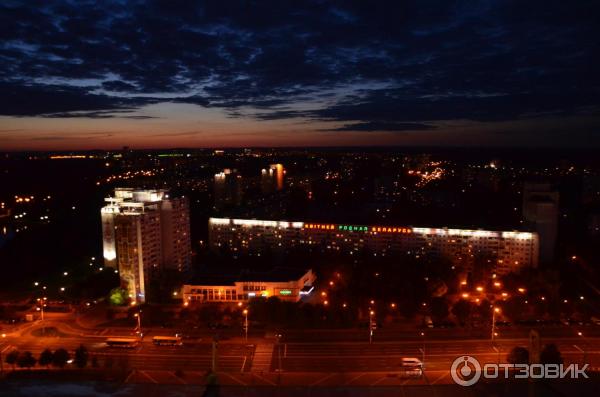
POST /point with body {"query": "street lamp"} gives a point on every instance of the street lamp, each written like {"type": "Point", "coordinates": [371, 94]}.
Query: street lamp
{"type": "Point", "coordinates": [139, 321]}
{"type": "Point", "coordinates": [423, 351]}
{"type": "Point", "coordinates": [279, 335]}
{"type": "Point", "coordinates": [494, 311]}
{"type": "Point", "coordinates": [1, 360]}
{"type": "Point", "coordinates": [583, 351]}
{"type": "Point", "coordinates": [371, 328]}
{"type": "Point", "coordinates": [246, 323]}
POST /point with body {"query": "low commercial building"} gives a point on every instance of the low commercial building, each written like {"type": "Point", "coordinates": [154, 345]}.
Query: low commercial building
{"type": "Point", "coordinates": [286, 284]}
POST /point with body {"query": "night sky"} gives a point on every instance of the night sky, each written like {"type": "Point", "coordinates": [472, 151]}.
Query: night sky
{"type": "Point", "coordinates": [77, 75]}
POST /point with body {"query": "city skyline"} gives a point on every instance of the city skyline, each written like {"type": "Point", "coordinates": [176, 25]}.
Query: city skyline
{"type": "Point", "coordinates": [317, 198]}
{"type": "Point", "coordinates": [269, 74]}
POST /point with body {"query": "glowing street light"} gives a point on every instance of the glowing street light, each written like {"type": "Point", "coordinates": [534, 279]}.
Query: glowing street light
{"type": "Point", "coordinates": [139, 321]}
{"type": "Point", "coordinates": [371, 326]}
{"type": "Point", "coordinates": [494, 311]}
{"type": "Point", "coordinates": [246, 323]}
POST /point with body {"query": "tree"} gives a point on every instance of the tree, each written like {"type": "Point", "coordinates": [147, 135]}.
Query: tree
{"type": "Point", "coordinates": [118, 296]}
{"type": "Point", "coordinates": [26, 360]}
{"type": "Point", "coordinates": [60, 358]}
{"type": "Point", "coordinates": [46, 358]}
{"type": "Point", "coordinates": [439, 309]}
{"type": "Point", "coordinates": [81, 356]}
{"type": "Point", "coordinates": [462, 311]}
{"type": "Point", "coordinates": [550, 355]}
{"type": "Point", "coordinates": [109, 362]}
{"type": "Point", "coordinates": [518, 355]}
{"type": "Point", "coordinates": [11, 358]}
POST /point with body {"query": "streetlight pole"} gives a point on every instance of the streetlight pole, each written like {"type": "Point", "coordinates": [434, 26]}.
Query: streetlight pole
{"type": "Point", "coordinates": [246, 323]}
{"type": "Point", "coordinates": [138, 315]}
{"type": "Point", "coordinates": [370, 327]}
{"type": "Point", "coordinates": [1, 360]}
{"type": "Point", "coordinates": [583, 351]}
{"type": "Point", "coordinates": [494, 311]}
{"type": "Point", "coordinates": [279, 358]}
{"type": "Point", "coordinates": [423, 351]}
{"type": "Point", "coordinates": [214, 355]}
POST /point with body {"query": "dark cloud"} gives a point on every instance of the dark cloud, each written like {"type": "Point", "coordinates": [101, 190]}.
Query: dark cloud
{"type": "Point", "coordinates": [381, 65]}
{"type": "Point", "coordinates": [383, 126]}
{"type": "Point", "coordinates": [117, 85]}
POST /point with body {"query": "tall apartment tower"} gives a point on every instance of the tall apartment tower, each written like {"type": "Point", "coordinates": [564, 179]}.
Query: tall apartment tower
{"type": "Point", "coordinates": [271, 180]}
{"type": "Point", "coordinates": [227, 188]}
{"type": "Point", "coordinates": [145, 232]}
{"type": "Point", "coordinates": [540, 212]}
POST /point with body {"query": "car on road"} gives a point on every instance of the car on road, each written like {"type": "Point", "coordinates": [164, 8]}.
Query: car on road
{"type": "Point", "coordinates": [411, 366]}
{"type": "Point", "coordinates": [167, 340]}
{"type": "Point", "coordinates": [125, 343]}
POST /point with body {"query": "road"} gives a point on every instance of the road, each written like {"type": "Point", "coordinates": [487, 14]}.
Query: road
{"type": "Point", "coordinates": [307, 362]}
{"type": "Point", "coordinates": [439, 355]}
{"type": "Point", "coordinates": [196, 355]}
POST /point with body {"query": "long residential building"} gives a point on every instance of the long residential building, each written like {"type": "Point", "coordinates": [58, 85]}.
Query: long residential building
{"type": "Point", "coordinates": [145, 232]}
{"type": "Point", "coordinates": [510, 251]}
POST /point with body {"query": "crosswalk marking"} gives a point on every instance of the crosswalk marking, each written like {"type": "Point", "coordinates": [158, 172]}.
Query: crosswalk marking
{"type": "Point", "coordinates": [263, 355]}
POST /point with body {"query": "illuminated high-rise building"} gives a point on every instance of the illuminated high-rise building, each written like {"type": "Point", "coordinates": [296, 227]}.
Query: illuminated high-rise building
{"type": "Point", "coordinates": [145, 232]}
{"type": "Point", "coordinates": [271, 180]}
{"type": "Point", "coordinates": [227, 188]}
{"type": "Point", "coordinates": [540, 211]}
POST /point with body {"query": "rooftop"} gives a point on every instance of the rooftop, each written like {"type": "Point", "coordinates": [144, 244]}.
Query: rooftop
{"type": "Point", "coordinates": [278, 274]}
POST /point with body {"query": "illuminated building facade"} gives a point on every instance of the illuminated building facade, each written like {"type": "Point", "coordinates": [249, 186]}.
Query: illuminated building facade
{"type": "Point", "coordinates": [286, 284]}
{"type": "Point", "coordinates": [271, 180]}
{"type": "Point", "coordinates": [227, 188]}
{"type": "Point", "coordinates": [145, 232]}
{"type": "Point", "coordinates": [510, 251]}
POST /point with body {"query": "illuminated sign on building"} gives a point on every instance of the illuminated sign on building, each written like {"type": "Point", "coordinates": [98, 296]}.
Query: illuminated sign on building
{"type": "Point", "coordinates": [285, 292]}
{"type": "Point", "coordinates": [352, 228]}
{"type": "Point", "coordinates": [307, 292]}
{"type": "Point", "coordinates": [387, 229]}
{"type": "Point", "coordinates": [319, 226]}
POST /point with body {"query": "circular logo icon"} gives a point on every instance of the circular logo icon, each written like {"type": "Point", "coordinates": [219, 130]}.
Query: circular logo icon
{"type": "Point", "coordinates": [465, 371]}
